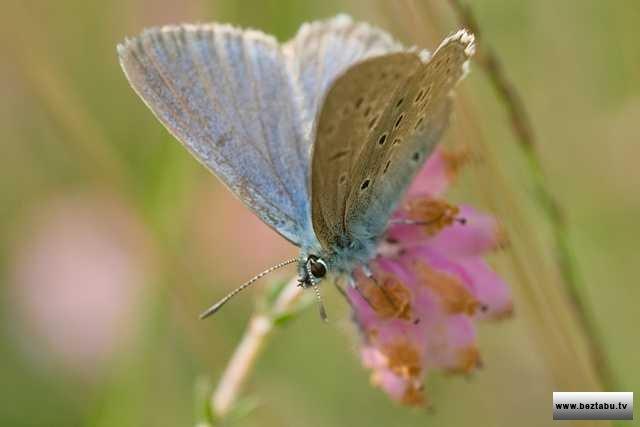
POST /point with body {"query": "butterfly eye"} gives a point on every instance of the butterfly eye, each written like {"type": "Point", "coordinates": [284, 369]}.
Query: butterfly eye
{"type": "Point", "coordinates": [317, 267]}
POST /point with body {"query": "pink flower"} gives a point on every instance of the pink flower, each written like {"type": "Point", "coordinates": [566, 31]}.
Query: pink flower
{"type": "Point", "coordinates": [77, 279]}
{"type": "Point", "coordinates": [429, 285]}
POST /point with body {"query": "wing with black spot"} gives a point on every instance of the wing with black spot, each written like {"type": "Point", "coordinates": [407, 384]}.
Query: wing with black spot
{"type": "Point", "coordinates": [383, 151]}
{"type": "Point", "coordinates": [323, 50]}
{"type": "Point", "coordinates": [353, 106]}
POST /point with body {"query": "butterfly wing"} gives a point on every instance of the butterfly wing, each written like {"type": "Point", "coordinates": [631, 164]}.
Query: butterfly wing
{"type": "Point", "coordinates": [227, 95]}
{"type": "Point", "coordinates": [352, 107]}
{"type": "Point", "coordinates": [323, 50]}
{"type": "Point", "coordinates": [361, 168]}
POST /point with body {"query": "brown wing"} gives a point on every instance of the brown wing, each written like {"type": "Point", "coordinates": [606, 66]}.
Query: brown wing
{"type": "Point", "coordinates": [353, 106]}
{"type": "Point", "coordinates": [354, 195]}
{"type": "Point", "coordinates": [323, 50]}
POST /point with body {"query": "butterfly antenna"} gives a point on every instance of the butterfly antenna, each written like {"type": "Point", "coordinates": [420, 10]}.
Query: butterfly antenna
{"type": "Point", "coordinates": [323, 312]}
{"type": "Point", "coordinates": [316, 290]}
{"type": "Point", "coordinates": [217, 306]}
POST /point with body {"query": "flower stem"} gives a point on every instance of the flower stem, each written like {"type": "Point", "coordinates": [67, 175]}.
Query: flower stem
{"type": "Point", "coordinates": [521, 125]}
{"type": "Point", "coordinates": [260, 328]}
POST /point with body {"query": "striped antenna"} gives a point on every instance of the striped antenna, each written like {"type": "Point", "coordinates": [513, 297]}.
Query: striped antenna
{"type": "Point", "coordinates": [217, 306]}
{"type": "Point", "coordinates": [316, 290]}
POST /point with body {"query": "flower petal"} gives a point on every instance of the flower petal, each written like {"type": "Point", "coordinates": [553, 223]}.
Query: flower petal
{"type": "Point", "coordinates": [478, 234]}
{"type": "Point", "coordinates": [439, 171]}
{"type": "Point", "coordinates": [469, 232]}
{"type": "Point", "coordinates": [454, 297]}
{"type": "Point", "coordinates": [492, 292]}
{"type": "Point", "coordinates": [429, 285]}
{"type": "Point", "coordinates": [452, 345]}
{"type": "Point", "coordinates": [487, 288]}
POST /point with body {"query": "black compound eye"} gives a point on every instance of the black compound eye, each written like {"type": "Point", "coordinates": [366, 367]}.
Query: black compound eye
{"type": "Point", "coordinates": [317, 267]}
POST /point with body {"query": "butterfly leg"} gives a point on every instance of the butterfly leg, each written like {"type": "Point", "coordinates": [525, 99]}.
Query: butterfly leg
{"type": "Point", "coordinates": [341, 291]}
{"type": "Point", "coordinates": [353, 284]}
{"type": "Point", "coordinates": [460, 220]}
{"type": "Point", "coordinates": [368, 272]}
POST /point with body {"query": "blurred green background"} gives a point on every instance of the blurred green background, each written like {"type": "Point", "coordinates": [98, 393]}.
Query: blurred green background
{"type": "Point", "coordinates": [114, 238]}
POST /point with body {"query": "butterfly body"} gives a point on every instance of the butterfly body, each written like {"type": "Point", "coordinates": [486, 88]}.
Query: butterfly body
{"type": "Point", "coordinates": [341, 260]}
{"type": "Point", "coordinates": [320, 136]}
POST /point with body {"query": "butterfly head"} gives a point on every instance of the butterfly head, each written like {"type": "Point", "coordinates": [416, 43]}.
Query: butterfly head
{"type": "Point", "coordinates": [312, 270]}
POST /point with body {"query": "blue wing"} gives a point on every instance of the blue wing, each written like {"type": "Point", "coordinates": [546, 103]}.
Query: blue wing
{"type": "Point", "coordinates": [227, 95]}
{"type": "Point", "coordinates": [321, 51]}
{"type": "Point", "coordinates": [246, 107]}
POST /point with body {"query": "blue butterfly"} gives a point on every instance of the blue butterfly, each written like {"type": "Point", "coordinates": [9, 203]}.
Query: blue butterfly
{"type": "Point", "coordinates": [319, 136]}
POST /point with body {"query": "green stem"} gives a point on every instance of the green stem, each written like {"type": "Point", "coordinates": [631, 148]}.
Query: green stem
{"type": "Point", "coordinates": [259, 330]}
{"type": "Point", "coordinates": [521, 125]}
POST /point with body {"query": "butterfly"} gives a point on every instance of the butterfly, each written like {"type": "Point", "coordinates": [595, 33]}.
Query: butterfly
{"type": "Point", "coordinates": [319, 137]}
